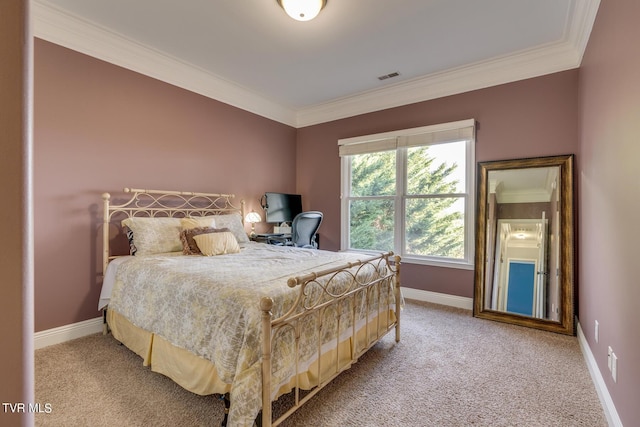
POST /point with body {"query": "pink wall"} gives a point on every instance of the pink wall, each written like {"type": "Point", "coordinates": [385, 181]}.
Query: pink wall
{"type": "Point", "coordinates": [610, 198]}
{"type": "Point", "coordinates": [16, 255]}
{"type": "Point", "coordinates": [99, 128]}
{"type": "Point", "coordinates": [530, 118]}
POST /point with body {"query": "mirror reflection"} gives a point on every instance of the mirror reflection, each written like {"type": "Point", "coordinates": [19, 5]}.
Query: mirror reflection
{"type": "Point", "coordinates": [522, 249]}
{"type": "Point", "coordinates": [524, 243]}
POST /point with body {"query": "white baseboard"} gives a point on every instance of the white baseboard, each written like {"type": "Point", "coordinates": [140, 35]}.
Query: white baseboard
{"type": "Point", "coordinates": [67, 332]}
{"type": "Point", "coordinates": [601, 387]}
{"type": "Point", "coordinates": [438, 298]}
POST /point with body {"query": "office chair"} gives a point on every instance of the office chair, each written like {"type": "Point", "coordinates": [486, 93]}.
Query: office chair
{"type": "Point", "coordinates": [303, 231]}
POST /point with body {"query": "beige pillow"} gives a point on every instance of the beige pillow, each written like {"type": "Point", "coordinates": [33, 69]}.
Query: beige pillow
{"type": "Point", "coordinates": [189, 245]}
{"type": "Point", "coordinates": [154, 235]}
{"type": "Point", "coordinates": [234, 223]}
{"type": "Point", "coordinates": [197, 222]}
{"type": "Point", "coordinates": [211, 244]}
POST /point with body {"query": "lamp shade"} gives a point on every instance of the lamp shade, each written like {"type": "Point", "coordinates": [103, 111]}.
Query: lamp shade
{"type": "Point", "coordinates": [252, 217]}
{"type": "Point", "coordinates": [302, 10]}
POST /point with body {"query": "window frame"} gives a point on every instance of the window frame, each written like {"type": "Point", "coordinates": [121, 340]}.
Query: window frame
{"type": "Point", "coordinates": [393, 141]}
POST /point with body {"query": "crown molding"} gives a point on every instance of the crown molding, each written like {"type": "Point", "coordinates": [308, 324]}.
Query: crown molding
{"type": "Point", "coordinates": [481, 75]}
{"type": "Point", "coordinates": [524, 196]}
{"type": "Point", "coordinates": [550, 58]}
{"type": "Point", "coordinates": [581, 24]}
{"type": "Point", "coordinates": [59, 27]}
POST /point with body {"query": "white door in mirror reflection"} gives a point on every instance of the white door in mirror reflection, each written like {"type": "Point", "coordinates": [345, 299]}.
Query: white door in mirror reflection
{"type": "Point", "coordinates": [520, 272]}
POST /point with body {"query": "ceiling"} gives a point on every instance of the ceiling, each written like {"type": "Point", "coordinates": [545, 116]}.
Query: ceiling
{"type": "Point", "coordinates": [250, 54]}
{"type": "Point", "coordinates": [526, 185]}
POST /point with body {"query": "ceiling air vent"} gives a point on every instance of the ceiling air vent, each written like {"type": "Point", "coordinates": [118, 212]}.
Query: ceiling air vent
{"type": "Point", "coordinates": [389, 76]}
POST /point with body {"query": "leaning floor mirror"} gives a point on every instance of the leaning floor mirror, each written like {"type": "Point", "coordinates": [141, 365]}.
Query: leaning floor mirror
{"type": "Point", "coordinates": [524, 243]}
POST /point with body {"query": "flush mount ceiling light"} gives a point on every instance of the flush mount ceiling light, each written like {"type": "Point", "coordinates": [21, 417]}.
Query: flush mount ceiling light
{"type": "Point", "coordinates": [302, 10]}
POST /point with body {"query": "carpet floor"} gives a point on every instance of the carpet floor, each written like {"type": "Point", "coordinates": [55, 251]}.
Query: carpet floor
{"type": "Point", "coordinates": [449, 369]}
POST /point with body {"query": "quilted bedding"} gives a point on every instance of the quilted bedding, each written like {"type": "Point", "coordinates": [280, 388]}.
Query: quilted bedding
{"type": "Point", "coordinates": [210, 307]}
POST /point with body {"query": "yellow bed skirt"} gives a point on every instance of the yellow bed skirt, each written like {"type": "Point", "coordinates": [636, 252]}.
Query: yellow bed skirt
{"type": "Point", "coordinates": [199, 375]}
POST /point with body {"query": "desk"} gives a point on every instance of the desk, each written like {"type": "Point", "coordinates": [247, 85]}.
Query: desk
{"type": "Point", "coordinates": [268, 238]}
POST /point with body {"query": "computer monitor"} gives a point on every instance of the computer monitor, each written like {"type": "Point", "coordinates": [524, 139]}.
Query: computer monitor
{"type": "Point", "coordinates": [280, 207]}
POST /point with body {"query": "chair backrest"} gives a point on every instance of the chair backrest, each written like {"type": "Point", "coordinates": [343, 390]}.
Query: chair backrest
{"type": "Point", "coordinates": [304, 228]}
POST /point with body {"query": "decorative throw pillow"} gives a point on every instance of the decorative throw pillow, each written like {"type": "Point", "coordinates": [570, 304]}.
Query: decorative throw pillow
{"type": "Point", "coordinates": [211, 244]}
{"type": "Point", "coordinates": [189, 245]}
{"type": "Point", "coordinates": [197, 221]}
{"type": "Point", "coordinates": [132, 245]}
{"type": "Point", "coordinates": [154, 235]}
{"type": "Point", "coordinates": [234, 223]}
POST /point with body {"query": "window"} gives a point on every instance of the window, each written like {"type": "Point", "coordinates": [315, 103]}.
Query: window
{"type": "Point", "coordinates": [411, 192]}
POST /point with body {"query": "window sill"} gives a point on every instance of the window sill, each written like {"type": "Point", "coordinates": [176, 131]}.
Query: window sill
{"type": "Point", "coordinates": [460, 265]}
{"type": "Point", "coordinates": [408, 259]}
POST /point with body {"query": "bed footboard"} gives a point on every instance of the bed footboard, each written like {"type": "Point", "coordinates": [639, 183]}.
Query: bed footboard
{"type": "Point", "coordinates": [373, 306]}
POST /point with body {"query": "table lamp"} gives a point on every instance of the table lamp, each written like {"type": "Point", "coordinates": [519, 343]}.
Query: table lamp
{"type": "Point", "coordinates": [252, 217]}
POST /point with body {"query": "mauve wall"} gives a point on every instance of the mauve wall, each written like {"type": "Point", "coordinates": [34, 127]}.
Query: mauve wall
{"type": "Point", "coordinates": [99, 128]}
{"type": "Point", "coordinates": [610, 198]}
{"type": "Point", "coordinates": [530, 118]}
{"type": "Point", "coordinates": [16, 304]}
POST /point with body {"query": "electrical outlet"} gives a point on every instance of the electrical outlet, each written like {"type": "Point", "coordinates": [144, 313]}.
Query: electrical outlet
{"type": "Point", "coordinates": [596, 331]}
{"type": "Point", "coordinates": [609, 353]}
{"type": "Point", "coordinates": [614, 367]}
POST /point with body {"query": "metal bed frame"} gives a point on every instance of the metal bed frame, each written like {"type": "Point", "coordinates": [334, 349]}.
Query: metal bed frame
{"type": "Point", "coordinates": [316, 295]}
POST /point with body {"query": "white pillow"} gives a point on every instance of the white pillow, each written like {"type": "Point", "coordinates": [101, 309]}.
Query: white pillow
{"type": "Point", "coordinates": [211, 244]}
{"type": "Point", "coordinates": [155, 235]}
{"type": "Point", "coordinates": [234, 223]}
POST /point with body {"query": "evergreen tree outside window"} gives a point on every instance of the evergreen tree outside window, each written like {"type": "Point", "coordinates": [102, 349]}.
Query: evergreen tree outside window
{"type": "Point", "coordinates": [411, 192]}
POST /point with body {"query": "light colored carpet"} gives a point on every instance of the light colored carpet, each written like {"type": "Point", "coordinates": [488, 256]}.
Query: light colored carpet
{"type": "Point", "coordinates": [450, 369]}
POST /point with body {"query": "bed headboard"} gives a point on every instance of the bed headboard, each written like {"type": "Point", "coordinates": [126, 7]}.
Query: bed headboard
{"type": "Point", "coordinates": [159, 203]}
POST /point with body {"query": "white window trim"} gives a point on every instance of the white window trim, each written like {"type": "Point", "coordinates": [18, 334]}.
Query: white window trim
{"type": "Point", "coordinates": [361, 144]}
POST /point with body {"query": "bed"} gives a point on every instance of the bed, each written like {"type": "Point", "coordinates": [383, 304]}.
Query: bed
{"type": "Point", "coordinates": [222, 315]}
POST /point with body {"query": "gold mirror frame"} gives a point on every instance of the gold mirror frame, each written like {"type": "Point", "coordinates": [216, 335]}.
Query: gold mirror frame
{"type": "Point", "coordinates": [566, 305]}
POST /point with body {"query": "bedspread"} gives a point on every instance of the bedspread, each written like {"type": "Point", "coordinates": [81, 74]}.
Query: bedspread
{"type": "Point", "coordinates": [210, 307]}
